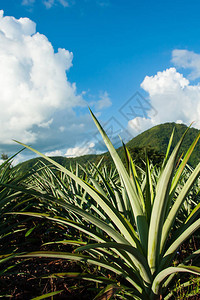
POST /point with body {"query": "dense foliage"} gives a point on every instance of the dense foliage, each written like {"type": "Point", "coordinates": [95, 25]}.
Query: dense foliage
{"type": "Point", "coordinates": [132, 229]}
{"type": "Point", "coordinates": [153, 141]}
{"type": "Point", "coordinates": [158, 137]}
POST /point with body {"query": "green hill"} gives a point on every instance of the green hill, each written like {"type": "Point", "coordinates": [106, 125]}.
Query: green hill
{"type": "Point", "coordinates": [158, 137]}
{"type": "Point", "coordinates": [155, 140]}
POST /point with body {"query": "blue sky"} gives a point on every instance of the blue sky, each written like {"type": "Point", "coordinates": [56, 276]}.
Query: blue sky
{"type": "Point", "coordinates": [111, 51]}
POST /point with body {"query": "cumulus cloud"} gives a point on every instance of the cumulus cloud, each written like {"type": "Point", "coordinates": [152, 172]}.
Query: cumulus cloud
{"type": "Point", "coordinates": [54, 153]}
{"type": "Point", "coordinates": [174, 99]}
{"type": "Point", "coordinates": [187, 60]}
{"type": "Point", "coordinates": [33, 80]}
{"type": "Point", "coordinates": [168, 81]}
{"type": "Point", "coordinates": [140, 124]}
{"type": "Point", "coordinates": [46, 124]}
{"type": "Point", "coordinates": [104, 101]}
{"type": "Point", "coordinates": [86, 148]}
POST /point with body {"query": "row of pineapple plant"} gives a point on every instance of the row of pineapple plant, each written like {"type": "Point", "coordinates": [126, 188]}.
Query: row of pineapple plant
{"type": "Point", "coordinates": [126, 215]}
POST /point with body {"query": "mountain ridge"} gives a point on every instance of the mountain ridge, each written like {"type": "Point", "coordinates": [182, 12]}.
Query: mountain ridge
{"type": "Point", "coordinates": [155, 140]}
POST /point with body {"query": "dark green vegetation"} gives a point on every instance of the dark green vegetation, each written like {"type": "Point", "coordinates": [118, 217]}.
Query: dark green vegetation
{"type": "Point", "coordinates": [103, 231]}
{"type": "Point", "coordinates": [158, 138]}
{"type": "Point", "coordinates": [153, 141]}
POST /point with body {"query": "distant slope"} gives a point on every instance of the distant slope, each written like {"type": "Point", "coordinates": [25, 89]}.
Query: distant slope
{"type": "Point", "coordinates": [158, 137]}
{"type": "Point", "coordinates": [155, 139]}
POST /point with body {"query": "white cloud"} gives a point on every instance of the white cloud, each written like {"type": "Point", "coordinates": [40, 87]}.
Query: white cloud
{"type": "Point", "coordinates": [54, 153]}
{"type": "Point", "coordinates": [140, 124]}
{"type": "Point", "coordinates": [187, 60]}
{"type": "Point", "coordinates": [28, 2]}
{"type": "Point", "coordinates": [174, 99]}
{"type": "Point", "coordinates": [64, 3]}
{"type": "Point", "coordinates": [104, 101]}
{"type": "Point", "coordinates": [46, 124]}
{"type": "Point", "coordinates": [49, 3]}
{"type": "Point", "coordinates": [33, 80]}
{"type": "Point", "coordinates": [86, 148]}
{"type": "Point", "coordinates": [168, 81]}
{"type": "Point", "coordinates": [62, 128]}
